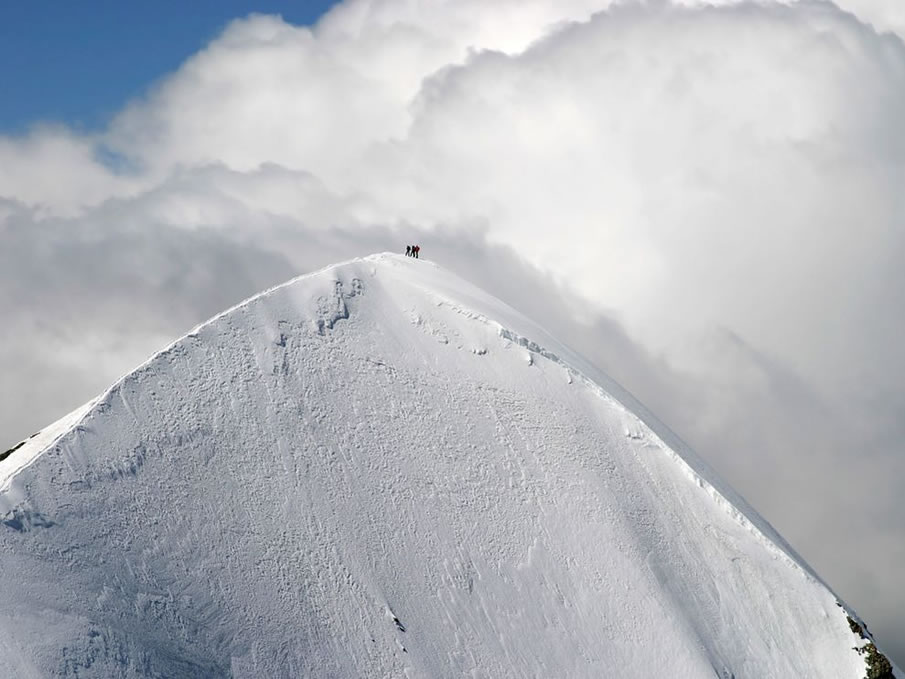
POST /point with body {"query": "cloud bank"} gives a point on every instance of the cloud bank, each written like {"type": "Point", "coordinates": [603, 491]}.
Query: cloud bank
{"type": "Point", "coordinates": [704, 198]}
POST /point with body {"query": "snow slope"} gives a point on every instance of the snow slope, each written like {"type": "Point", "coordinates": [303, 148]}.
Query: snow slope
{"type": "Point", "coordinates": [378, 470]}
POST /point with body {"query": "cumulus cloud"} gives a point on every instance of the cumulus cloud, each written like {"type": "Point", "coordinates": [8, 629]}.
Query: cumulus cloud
{"type": "Point", "coordinates": [703, 197]}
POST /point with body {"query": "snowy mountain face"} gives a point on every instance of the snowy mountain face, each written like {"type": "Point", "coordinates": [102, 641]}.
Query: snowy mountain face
{"type": "Point", "coordinates": [379, 471]}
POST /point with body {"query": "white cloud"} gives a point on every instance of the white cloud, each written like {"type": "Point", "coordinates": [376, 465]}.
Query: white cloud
{"type": "Point", "coordinates": [724, 181]}
{"type": "Point", "coordinates": [57, 171]}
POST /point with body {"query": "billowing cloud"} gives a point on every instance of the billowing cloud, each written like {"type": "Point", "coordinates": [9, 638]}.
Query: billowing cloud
{"type": "Point", "coordinates": [703, 197]}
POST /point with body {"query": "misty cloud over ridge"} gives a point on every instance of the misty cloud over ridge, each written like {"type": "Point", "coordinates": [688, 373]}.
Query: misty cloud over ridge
{"type": "Point", "coordinates": [706, 199]}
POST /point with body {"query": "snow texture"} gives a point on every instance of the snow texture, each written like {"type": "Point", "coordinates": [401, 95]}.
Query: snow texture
{"type": "Point", "coordinates": [378, 470]}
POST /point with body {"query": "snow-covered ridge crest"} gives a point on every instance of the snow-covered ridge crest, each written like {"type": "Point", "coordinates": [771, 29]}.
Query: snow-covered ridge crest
{"type": "Point", "coordinates": [28, 449]}
{"type": "Point", "coordinates": [647, 426]}
{"type": "Point", "coordinates": [380, 470]}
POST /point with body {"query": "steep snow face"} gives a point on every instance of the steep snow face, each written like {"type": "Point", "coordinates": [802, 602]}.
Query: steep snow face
{"type": "Point", "coordinates": [380, 471]}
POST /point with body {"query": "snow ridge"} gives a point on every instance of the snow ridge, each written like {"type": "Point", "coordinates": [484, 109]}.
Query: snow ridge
{"type": "Point", "coordinates": [648, 426]}
{"type": "Point", "coordinates": [30, 448]}
{"type": "Point", "coordinates": [643, 430]}
{"type": "Point", "coordinates": [380, 470]}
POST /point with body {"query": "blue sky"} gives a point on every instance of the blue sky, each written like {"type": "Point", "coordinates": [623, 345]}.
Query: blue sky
{"type": "Point", "coordinates": [79, 62]}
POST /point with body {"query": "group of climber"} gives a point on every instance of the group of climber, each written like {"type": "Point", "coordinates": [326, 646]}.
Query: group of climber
{"type": "Point", "coordinates": [412, 251]}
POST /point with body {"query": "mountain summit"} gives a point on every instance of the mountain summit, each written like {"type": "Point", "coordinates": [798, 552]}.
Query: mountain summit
{"type": "Point", "coordinates": [377, 470]}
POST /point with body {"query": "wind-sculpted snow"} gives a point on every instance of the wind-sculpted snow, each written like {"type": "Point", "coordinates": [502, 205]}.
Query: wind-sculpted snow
{"type": "Point", "coordinates": [380, 471]}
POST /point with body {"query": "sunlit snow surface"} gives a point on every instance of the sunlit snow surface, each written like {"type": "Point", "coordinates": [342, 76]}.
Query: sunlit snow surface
{"type": "Point", "coordinates": [378, 470]}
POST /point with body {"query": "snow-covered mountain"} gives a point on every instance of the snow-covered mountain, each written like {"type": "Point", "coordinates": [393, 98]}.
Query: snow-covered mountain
{"type": "Point", "coordinates": [378, 470]}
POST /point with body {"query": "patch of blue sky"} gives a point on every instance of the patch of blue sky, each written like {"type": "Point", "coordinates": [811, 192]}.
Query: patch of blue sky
{"type": "Point", "coordinates": [78, 63]}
